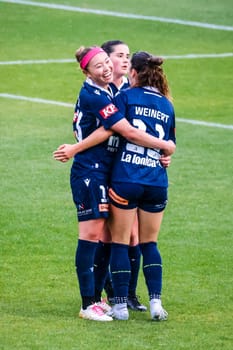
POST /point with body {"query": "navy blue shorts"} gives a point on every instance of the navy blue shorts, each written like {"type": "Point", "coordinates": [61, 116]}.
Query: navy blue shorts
{"type": "Point", "coordinates": [90, 196]}
{"type": "Point", "coordinates": [152, 199]}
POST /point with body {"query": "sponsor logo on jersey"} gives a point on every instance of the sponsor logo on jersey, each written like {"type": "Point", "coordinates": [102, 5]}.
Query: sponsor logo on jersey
{"type": "Point", "coordinates": [108, 110]}
{"type": "Point", "coordinates": [103, 207]}
{"type": "Point", "coordinates": [87, 181]}
{"type": "Point", "coordinates": [138, 160]}
{"type": "Point", "coordinates": [84, 212]}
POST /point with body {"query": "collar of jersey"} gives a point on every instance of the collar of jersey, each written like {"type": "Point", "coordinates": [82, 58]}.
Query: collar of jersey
{"type": "Point", "coordinates": [125, 80]}
{"type": "Point", "coordinates": [92, 83]}
{"type": "Point", "coordinates": [151, 88]}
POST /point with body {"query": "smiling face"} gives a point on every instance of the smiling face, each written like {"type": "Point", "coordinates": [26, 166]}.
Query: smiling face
{"type": "Point", "coordinates": [120, 59]}
{"type": "Point", "coordinates": [100, 70]}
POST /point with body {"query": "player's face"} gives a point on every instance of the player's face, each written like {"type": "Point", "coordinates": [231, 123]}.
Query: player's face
{"type": "Point", "coordinates": [120, 60]}
{"type": "Point", "coordinates": [100, 69]}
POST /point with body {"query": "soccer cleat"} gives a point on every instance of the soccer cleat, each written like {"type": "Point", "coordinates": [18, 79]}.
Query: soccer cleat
{"type": "Point", "coordinates": [104, 306]}
{"type": "Point", "coordinates": [157, 311]}
{"type": "Point", "coordinates": [120, 312]}
{"type": "Point", "coordinates": [94, 313]}
{"type": "Point", "coordinates": [134, 304]}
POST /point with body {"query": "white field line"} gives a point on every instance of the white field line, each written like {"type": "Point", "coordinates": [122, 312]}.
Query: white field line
{"type": "Point", "coordinates": [35, 99]}
{"type": "Point", "coordinates": [8, 63]}
{"type": "Point", "coordinates": [70, 105]}
{"type": "Point", "coordinates": [205, 55]}
{"type": "Point", "coordinates": [69, 60]}
{"type": "Point", "coordinates": [120, 14]}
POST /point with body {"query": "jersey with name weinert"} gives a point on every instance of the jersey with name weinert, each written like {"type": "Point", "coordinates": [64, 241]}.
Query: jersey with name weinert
{"type": "Point", "coordinates": [95, 108]}
{"type": "Point", "coordinates": [148, 110]}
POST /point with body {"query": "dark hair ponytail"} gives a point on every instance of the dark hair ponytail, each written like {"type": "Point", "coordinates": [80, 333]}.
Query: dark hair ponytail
{"type": "Point", "coordinates": [150, 72]}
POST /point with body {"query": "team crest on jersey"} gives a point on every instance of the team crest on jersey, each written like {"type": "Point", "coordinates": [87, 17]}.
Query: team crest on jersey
{"type": "Point", "coordinates": [109, 110]}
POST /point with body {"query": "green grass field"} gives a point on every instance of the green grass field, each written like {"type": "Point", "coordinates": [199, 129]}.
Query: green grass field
{"type": "Point", "coordinates": [39, 294]}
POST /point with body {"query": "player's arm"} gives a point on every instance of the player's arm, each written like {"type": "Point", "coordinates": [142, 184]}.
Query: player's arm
{"type": "Point", "coordinates": [114, 118]}
{"type": "Point", "coordinates": [66, 151]}
{"type": "Point", "coordinates": [141, 138]}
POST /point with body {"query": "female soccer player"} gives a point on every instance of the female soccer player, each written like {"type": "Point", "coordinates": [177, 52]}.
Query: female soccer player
{"type": "Point", "coordinates": [119, 54]}
{"type": "Point", "coordinates": [139, 182]}
{"type": "Point", "coordinates": [91, 168]}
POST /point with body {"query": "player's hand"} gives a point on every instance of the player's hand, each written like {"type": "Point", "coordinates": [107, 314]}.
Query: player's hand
{"type": "Point", "coordinates": [64, 153]}
{"type": "Point", "coordinates": [165, 160]}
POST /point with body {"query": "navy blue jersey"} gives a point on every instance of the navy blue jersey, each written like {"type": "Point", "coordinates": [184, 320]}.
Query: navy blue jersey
{"type": "Point", "coordinates": [148, 110]}
{"type": "Point", "coordinates": [123, 86]}
{"type": "Point", "coordinates": [95, 108]}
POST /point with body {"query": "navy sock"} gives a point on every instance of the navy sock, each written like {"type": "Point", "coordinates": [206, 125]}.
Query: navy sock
{"type": "Point", "coordinates": [84, 261]}
{"type": "Point", "coordinates": [120, 270]}
{"type": "Point", "coordinates": [152, 268]}
{"type": "Point", "coordinates": [134, 257]}
{"type": "Point", "coordinates": [101, 267]}
{"type": "Point", "coordinates": [108, 286]}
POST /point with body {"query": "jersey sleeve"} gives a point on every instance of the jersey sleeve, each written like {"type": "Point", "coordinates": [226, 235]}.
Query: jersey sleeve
{"type": "Point", "coordinates": [172, 131]}
{"type": "Point", "coordinates": [106, 111]}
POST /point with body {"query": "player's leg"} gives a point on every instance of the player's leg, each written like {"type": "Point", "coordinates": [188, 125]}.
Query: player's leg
{"type": "Point", "coordinates": [108, 288]}
{"type": "Point", "coordinates": [121, 222]}
{"type": "Point", "coordinates": [101, 267]}
{"type": "Point", "coordinates": [84, 262]}
{"type": "Point", "coordinates": [152, 262]}
{"type": "Point", "coordinates": [135, 259]}
{"type": "Point", "coordinates": [150, 216]}
{"type": "Point", "coordinates": [102, 270]}
{"type": "Point", "coordinates": [92, 222]}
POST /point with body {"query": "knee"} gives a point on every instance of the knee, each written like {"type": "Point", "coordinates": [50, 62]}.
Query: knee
{"type": "Point", "coordinates": [90, 235]}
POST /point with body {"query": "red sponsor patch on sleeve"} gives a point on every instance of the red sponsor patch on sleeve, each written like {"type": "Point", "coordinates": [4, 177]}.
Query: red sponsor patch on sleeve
{"type": "Point", "coordinates": [108, 110]}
